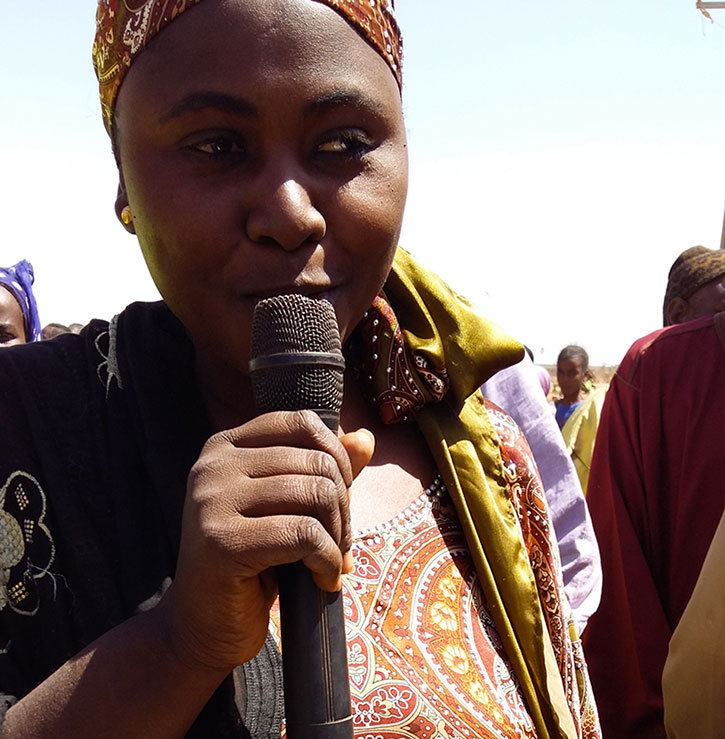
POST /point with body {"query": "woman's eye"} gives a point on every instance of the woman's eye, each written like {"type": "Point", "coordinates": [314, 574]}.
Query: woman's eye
{"type": "Point", "coordinates": [353, 146]}
{"type": "Point", "coordinates": [219, 148]}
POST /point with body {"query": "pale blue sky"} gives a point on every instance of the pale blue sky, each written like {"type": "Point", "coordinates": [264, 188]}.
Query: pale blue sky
{"type": "Point", "coordinates": [562, 154]}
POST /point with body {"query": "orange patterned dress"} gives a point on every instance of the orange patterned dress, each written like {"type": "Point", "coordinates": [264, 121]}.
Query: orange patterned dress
{"type": "Point", "coordinates": [424, 655]}
{"type": "Point", "coordinates": [425, 659]}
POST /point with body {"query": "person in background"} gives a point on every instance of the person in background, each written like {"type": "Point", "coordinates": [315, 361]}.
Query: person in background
{"type": "Point", "coordinates": [693, 681]}
{"type": "Point", "coordinates": [542, 373]}
{"type": "Point", "coordinates": [575, 381]}
{"type": "Point", "coordinates": [261, 151]}
{"type": "Point", "coordinates": [12, 325]}
{"type": "Point", "coordinates": [695, 286]}
{"type": "Point", "coordinates": [19, 321]}
{"type": "Point", "coordinates": [579, 408]}
{"type": "Point", "coordinates": [656, 496]}
{"type": "Point", "coordinates": [517, 390]}
{"type": "Point", "coordinates": [51, 330]}
{"type": "Point", "coordinates": [545, 381]}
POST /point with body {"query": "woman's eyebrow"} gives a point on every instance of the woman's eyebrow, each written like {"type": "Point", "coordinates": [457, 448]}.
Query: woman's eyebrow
{"type": "Point", "coordinates": [343, 99]}
{"type": "Point", "coordinates": [198, 101]}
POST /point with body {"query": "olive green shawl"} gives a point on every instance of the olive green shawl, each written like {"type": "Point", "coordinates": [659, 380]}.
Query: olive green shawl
{"type": "Point", "coordinates": [443, 325]}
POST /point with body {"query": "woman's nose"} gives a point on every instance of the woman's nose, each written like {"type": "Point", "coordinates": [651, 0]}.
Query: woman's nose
{"type": "Point", "coordinates": [286, 216]}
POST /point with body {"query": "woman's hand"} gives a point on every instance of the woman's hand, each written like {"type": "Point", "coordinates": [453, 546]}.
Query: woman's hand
{"type": "Point", "coordinates": [273, 491]}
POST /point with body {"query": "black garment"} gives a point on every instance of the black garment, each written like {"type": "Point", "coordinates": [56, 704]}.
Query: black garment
{"type": "Point", "coordinates": [98, 433]}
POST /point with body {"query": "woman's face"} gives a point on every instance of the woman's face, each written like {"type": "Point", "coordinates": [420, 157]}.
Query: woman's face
{"type": "Point", "coordinates": [12, 324]}
{"type": "Point", "coordinates": [263, 152]}
{"type": "Point", "coordinates": [570, 376]}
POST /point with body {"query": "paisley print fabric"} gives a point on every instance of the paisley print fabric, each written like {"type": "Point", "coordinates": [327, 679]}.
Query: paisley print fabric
{"type": "Point", "coordinates": [425, 659]}
{"type": "Point", "coordinates": [125, 27]}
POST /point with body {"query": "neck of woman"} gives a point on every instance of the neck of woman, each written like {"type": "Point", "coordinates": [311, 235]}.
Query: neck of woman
{"type": "Point", "coordinates": [226, 392]}
{"type": "Point", "coordinates": [572, 399]}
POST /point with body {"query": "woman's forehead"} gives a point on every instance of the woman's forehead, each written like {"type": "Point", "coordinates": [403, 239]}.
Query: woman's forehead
{"type": "Point", "coordinates": [574, 363]}
{"type": "Point", "coordinates": [125, 28]}
{"type": "Point", "coordinates": [242, 50]}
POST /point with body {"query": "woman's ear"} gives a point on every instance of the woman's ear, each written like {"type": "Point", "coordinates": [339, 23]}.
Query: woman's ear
{"type": "Point", "coordinates": [676, 312]}
{"type": "Point", "coordinates": [123, 209]}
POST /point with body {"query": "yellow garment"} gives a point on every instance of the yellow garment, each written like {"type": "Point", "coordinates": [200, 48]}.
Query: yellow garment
{"type": "Point", "coordinates": [693, 681]}
{"type": "Point", "coordinates": [580, 431]}
{"type": "Point", "coordinates": [465, 447]}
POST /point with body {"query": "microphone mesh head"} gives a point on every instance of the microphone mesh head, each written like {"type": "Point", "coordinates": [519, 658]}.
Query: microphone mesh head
{"type": "Point", "coordinates": [294, 324]}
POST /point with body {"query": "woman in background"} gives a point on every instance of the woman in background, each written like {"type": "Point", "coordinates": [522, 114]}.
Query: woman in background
{"type": "Point", "coordinates": [19, 321]}
{"type": "Point", "coordinates": [575, 381]}
{"type": "Point", "coordinates": [579, 408]}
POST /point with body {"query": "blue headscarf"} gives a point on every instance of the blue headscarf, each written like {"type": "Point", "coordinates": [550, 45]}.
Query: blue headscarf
{"type": "Point", "coordinates": [19, 280]}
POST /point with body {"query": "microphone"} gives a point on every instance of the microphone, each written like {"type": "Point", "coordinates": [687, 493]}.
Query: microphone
{"type": "Point", "coordinates": [297, 364]}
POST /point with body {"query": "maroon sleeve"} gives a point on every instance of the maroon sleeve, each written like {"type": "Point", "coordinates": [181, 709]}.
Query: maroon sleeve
{"type": "Point", "coordinates": [626, 640]}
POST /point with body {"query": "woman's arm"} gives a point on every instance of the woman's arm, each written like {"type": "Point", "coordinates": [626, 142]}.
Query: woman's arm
{"type": "Point", "coordinates": [270, 492]}
{"type": "Point", "coordinates": [131, 682]}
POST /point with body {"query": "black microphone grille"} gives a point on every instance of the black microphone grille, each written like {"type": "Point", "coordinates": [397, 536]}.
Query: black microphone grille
{"type": "Point", "coordinates": [296, 355]}
{"type": "Point", "coordinates": [294, 323]}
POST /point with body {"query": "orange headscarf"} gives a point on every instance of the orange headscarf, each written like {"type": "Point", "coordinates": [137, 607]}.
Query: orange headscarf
{"type": "Point", "coordinates": [125, 27]}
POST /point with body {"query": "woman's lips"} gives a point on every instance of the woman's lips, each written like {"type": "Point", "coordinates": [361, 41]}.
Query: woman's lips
{"type": "Point", "coordinates": [309, 291]}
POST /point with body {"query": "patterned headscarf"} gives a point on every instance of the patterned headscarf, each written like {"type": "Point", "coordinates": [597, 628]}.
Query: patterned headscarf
{"type": "Point", "coordinates": [125, 27]}
{"type": "Point", "coordinates": [19, 280]}
{"type": "Point", "coordinates": [693, 269]}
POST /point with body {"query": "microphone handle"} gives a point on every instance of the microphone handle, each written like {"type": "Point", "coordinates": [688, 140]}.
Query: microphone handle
{"type": "Point", "coordinates": [314, 654]}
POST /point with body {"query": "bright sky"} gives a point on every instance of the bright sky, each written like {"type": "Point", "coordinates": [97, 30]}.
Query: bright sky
{"type": "Point", "coordinates": [563, 154]}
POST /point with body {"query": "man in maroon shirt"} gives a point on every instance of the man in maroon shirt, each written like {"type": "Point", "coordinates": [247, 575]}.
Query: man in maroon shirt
{"type": "Point", "coordinates": [657, 492]}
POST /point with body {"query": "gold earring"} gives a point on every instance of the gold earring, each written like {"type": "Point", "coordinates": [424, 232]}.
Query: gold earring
{"type": "Point", "coordinates": [127, 216]}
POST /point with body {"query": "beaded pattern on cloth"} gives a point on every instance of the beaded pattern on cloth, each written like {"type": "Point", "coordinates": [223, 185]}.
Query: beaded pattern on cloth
{"type": "Point", "coordinates": [125, 27]}
{"type": "Point", "coordinates": [437, 490]}
{"type": "Point", "coordinates": [398, 381]}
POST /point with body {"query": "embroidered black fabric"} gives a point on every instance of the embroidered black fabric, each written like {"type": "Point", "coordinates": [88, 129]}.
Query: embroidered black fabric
{"type": "Point", "coordinates": [111, 467]}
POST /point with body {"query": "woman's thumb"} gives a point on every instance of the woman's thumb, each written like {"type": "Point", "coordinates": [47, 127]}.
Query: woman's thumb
{"type": "Point", "coordinates": [359, 446]}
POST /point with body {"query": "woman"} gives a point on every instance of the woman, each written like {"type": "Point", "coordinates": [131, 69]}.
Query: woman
{"type": "Point", "coordinates": [261, 151]}
{"type": "Point", "coordinates": [579, 408]}
{"type": "Point", "coordinates": [19, 321]}
{"type": "Point", "coordinates": [575, 381]}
